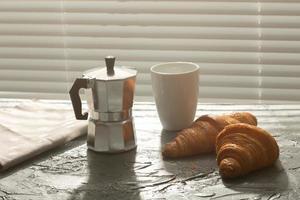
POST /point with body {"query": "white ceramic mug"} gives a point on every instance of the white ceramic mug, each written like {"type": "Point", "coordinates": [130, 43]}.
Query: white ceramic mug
{"type": "Point", "coordinates": [175, 88]}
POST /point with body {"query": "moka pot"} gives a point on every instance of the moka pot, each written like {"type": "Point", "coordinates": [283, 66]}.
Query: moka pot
{"type": "Point", "coordinates": [109, 92]}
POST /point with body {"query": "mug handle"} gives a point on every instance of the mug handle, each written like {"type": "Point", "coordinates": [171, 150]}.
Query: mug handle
{"type": "Point", "coordinates": [75, 98]}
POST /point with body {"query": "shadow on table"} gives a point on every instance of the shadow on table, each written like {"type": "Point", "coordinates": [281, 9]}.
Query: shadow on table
{"type": "Point", "coordinates": [109, 177]}
{"type": "Point", "coordinates": [269, 180]}
{"type": "Point", "coordinates": [185, 167]}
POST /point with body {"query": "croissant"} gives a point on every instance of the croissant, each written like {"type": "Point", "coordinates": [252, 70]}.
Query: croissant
{"type": "Point", "coordinates": [242, 148]}
{"type": "Point", "coordinates": [200, 137]}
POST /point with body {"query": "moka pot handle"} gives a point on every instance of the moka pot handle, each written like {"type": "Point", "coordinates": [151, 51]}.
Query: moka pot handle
{"type": "Point", "coordinates": [75, 98]}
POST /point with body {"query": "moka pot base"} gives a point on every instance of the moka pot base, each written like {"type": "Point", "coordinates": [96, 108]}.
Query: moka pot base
{"type": "Point", "coordinates": [111, 137]}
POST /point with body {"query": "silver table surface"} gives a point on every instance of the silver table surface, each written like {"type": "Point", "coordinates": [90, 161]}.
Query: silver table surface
{"type": "Point", "coordinates": [73, 172]}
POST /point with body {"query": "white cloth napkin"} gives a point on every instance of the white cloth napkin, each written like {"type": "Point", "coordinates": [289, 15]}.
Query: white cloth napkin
{"type": "Point", "coordinates": [31, 128]}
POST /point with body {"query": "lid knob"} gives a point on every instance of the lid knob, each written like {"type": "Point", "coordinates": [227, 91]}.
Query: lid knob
{"type": "Point", "coordinates": [110, 63]}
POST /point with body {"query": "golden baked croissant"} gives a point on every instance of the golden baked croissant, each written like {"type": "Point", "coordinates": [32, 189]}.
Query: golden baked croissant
{"type": "Point", "coordinates": [242, 148]}
{"type": "Point", "coordinates": [200, 137]}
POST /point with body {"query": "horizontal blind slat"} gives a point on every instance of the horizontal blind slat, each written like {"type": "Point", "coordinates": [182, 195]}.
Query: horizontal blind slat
{"type": "Point", "coordinates": [229, 81]}
{"type": "Point", "coordinates": [142, 66]}
{"type": "Point", "coordinates": [30, 6]}
{"type": "Point", "coordinates": [30, 52]}
{"type": "Point", "coordinates": [32, 64]}
{"type": "Point", "coordinates": [32, 75]}
{"type": "Point", "coordinates": [31, 29]}
{"type": "Point", "coordinates": [287, 34]}
{"type": "Point", "coordinates": [162, 44]}
{"type": "Point", "coordinates": [280, 8]}
{"type": "Point", "coordinates": [161, 19]}
{"type": "Point", "coordinates": [151, 31]}
{"type": "Point", "coordinates": [228, 92]}
{"type": "Point", "coordinates": [280, 21]}
{"type": "Point", "coordinates": [139, 55]}
{"type": "Point", "coordinates": [281, 82]}
{"type": "Point", "coordinates": [280, 94]}
{"type": "Point", "coordinates": [151, 55]}
{"type": "Point", "coordinates": [178, 7]}
{"type": "Point", "coordinates": [136, 31]}
{"type": "Point", "coordinates": [280, 70]}
{"type": "Point", "coordinates": [280, 46]}
{"type": "Point", "coordinates": [289, 58]}
{"type": "Point", "coordinates": [36, 95]}
{"type": "Point", "coordinates": [31, 18]}
{"type": "Point", "coordinates": [150, 44]}
{"type": "Point", "coordinates": [31, 41]}
{"type": "Point", "coordinates": [34, 86]}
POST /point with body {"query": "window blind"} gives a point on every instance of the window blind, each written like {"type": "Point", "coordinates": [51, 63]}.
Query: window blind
{"type": "Point", "coordinates": [248, 50]}
{"type": "Point", "coordinates": [279, 50]}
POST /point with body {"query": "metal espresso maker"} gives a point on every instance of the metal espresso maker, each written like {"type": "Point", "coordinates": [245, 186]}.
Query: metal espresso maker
{"type": "Point", "coordinates": [109, 92]}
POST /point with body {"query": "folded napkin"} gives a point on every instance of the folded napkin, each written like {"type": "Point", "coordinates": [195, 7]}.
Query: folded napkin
{"type": "Point", "coordinates": [31, 128]}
